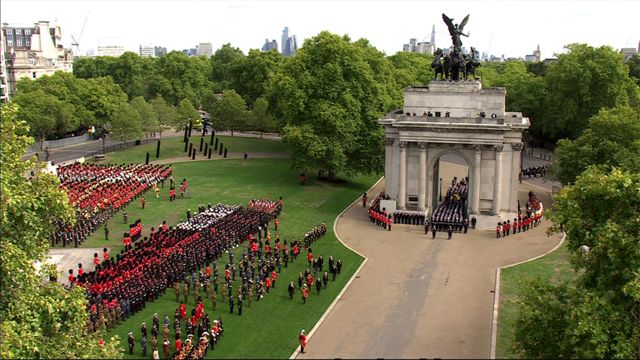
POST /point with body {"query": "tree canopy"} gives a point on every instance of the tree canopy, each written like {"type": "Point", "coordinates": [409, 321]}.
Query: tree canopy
{"type": "Point", "coordinates": [229, 112]}
{"type": "Point", "coordinates": [411, 68]}
{"type": "Point", "coordinates": [148, 116]}
{"type": "Point", "coordinates": [330, 96]}
{"type": "Point", "coordinates": [612, 138]}
{"type": "Point", "coordinates": [186, 114]}
{"type": "Point", "coordinates": [599, 315]}
{"type": "Point", "coordinates": [579, 84]}
{"type": "Point", "coordinates": [126, 123]}
{"type": "Point", "coordinates": [39, 319]}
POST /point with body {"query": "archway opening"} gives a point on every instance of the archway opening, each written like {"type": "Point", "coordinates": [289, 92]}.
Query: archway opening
{"type": "Point", "coordinates": [451, 192]}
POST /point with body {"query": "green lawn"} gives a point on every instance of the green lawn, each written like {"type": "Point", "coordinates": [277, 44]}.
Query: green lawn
{"type": "Point", "coordinates": [174, 147]}
{"type": "Point", "coordinates": [554, 267]}
{"type": "Point", "coordinates": [269, 329]}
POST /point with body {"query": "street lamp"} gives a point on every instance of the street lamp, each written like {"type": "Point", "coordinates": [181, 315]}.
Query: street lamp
{"type": "Point", "coordinates": [104, 139]}
{"type": "Point", "coordinates": [440, 193]}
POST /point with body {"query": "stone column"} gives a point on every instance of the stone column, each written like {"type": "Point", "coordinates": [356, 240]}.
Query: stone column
{"type": "Point", "coordinates": [388, 165]}
{"type": "Point", "coordinates": [477, 166]}
{"type": "Point", "coordinates": [402, 183]}
{"type": "Point", "coordinates": [422, 185]}
{"type": "Point", "coordinates": [515, 172]}
{"type": "Point", "coordinates": [497, 181]}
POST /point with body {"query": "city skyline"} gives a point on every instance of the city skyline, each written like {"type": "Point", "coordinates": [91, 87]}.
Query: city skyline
{"type": "Point", "coordinates": [509, 28]}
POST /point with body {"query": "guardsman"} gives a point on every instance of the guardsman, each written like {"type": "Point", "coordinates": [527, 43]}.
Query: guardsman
{"type": "Point", "coordinates": [176, 288]}
{"type": "Point", "coordinates": [185, 292]}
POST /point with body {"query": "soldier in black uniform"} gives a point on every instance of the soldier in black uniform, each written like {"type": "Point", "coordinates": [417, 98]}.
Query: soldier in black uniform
{"type": "Point", "coordinates": [132, 342]}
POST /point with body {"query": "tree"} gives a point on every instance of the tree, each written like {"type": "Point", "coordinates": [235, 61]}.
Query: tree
{"type": "Point", "coordinates": [147, 114]}
{"type": "Point", "coordinates": [39, 319]}
{"type": "Point", "coordinates": [525, 92]}
{"type": "Point", "coordinates": [538, 68]}
{"type": "Point", "coordinates": [254, 73]}
{"type": "Point", "coordinates": [330, 96]}
{"type": "Point", "coordinates": [226, 66]}
{"type": "Point", "coordinates": [612, 139]}
{"type": "Point", "coordinates": [411, 68]}
{"type": "Point", "coordinates": [634, 68]}
{"type": "Point", "coordinates": [598, 316]}
{"type": "Point", "coordinates": [579, 84]}
{"type": "Point", "coordinates": [488, 74]}
{"type": "Point", "coordinates": [186, 115]}
{"type": "Point", "coordinates": [45, 114]}
{"type": "Point", "coordinates": [261, 119]}
{"type": "Point", "coordinates": [102, 97]}
{"type": "Point", "coordinates": [126, 123]}
{"type": "Point", "coordinates": [230, 111]}
{"type": "Point", "coordinates": [165, 113]}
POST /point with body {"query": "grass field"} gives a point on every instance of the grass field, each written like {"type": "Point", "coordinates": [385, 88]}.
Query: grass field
{"type": "Point", "coordinates": [269, 329]}
{"type": "Point", "coordinates": [554, 267]}
{"type": "Point", "coordinates": [173, 147]}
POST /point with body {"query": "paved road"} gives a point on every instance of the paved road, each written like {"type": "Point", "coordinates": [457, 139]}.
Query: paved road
{"type": "Point", "coordinates": [417, 297]}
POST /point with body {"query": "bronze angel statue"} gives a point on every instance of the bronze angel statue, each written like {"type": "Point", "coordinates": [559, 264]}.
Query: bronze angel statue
{"type": "Point", "coordinates": [456, 30]}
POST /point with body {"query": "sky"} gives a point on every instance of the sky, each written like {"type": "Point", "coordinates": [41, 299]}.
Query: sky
{"type": "Point", "coordinates": [509, 28]}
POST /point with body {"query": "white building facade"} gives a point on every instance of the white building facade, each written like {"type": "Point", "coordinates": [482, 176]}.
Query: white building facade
{"type": "Point", "coordinates": [31, 52]}
{"type": "Point", "coordinates": [110, 50]}
{"type": "Point", "coordinates": [458, 118]}
{"type": "Point", "coordinates": [205, 49]}
{"type": "Point", "coordinates": [147, 51]}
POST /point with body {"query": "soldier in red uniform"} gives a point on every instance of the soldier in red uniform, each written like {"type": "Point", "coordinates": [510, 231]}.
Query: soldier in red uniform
{"type": "Point", "coordinates": [303, 341]}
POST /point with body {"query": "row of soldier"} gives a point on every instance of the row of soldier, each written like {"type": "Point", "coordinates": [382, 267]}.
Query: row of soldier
{"type": "Point", "coordinates": [98, 191]}
{"type": "Point", "coordinates": [533, 171]}
{"type": "Point", "coordinates": [208, 332]}
{"type": "Point", "coordinates": [144, 272]}
{"type": "Point", "coordinates": [409, 217]}
{"type": "Point", "coordinates": [452, 211]}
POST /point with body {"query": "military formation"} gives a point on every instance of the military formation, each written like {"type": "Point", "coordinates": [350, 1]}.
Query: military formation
{"type": "Point", "coordinates": [451, 214]}
{"type": "Point", "coordinates": [530, 218]}
{"type": "Point", "coordinates": [97, 192]}
{"type": "Point", "coordinates": [533, 172]}
{"type": "Point", "coordinates": [195, 259]}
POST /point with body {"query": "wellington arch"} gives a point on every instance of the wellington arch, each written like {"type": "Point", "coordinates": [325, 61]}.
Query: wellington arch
{"type": "Point", "coordinates": [460, 118]}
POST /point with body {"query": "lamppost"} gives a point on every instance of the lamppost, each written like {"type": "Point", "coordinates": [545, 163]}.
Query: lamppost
{"type": "Point", "coordinates": [104, 139]}
{"type": "Point", "coordinates": [440, 193]}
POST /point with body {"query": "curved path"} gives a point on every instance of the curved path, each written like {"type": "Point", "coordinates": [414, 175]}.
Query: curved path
{"type": "Point", "coordinates": [417, 297]}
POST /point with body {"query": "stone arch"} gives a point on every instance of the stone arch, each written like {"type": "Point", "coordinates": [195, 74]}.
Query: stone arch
{"type": "Point", "coordinates": [438, 153]}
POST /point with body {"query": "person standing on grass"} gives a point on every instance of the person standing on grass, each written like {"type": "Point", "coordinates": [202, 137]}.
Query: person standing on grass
{"type": "Point", "coordinates": [305, 293]}
{"type": "Point", "coordinates": [303, 341]}
{"type": "Point", "coordinates": [106, 232]}
{"type": "Point", "coordinates": [142, 201]}
{"type": "Point", "coordinates": [318, 285]}
{"type": "Point", "coordinates": [292, 289]}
